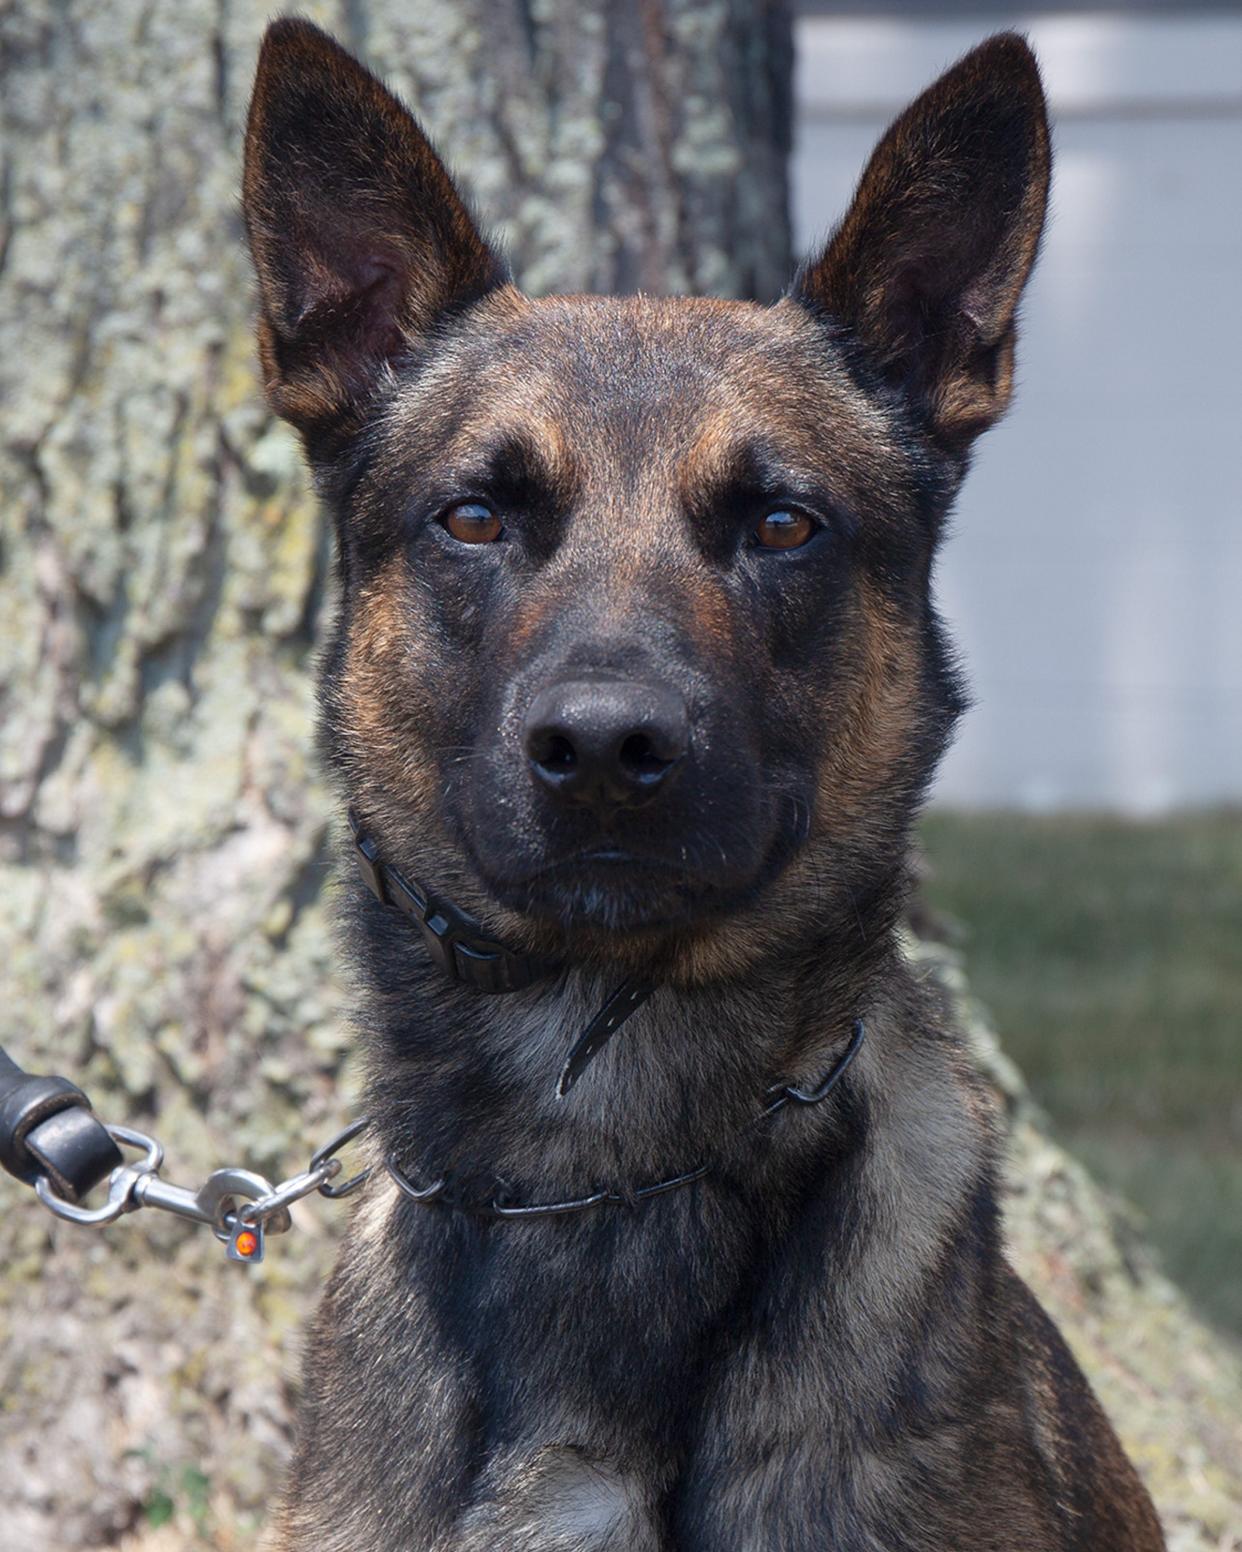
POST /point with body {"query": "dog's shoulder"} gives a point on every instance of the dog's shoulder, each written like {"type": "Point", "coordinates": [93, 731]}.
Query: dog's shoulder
{"type": "Point", "coordinates": [1105, 1503]}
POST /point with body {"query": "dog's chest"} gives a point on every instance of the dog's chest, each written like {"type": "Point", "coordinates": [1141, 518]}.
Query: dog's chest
{"type": "Point", "coordinates": [557, 1499]}
{"type": "Point", "coordinates": [523, 1390]}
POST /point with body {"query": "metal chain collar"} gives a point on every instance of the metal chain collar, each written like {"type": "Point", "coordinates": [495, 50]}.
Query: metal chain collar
{"type": "Point", "coordinates": [50, 1139]}
{"type": "Point", "coordinates": [780, 1095]}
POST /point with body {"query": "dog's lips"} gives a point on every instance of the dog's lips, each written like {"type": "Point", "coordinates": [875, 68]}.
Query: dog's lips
{"type": "Point", "coordinates": [605, 887]}
{"type": "Point", "coordinates": [615, 856]}
{"type": "Point", "coordinates": [613, 886]}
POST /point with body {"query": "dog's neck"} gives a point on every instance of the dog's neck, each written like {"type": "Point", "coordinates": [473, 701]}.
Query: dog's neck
{"type": "Point", "coordinates": [466, 1085]}
{"type": "Point", "coordinates": [463, 1087]}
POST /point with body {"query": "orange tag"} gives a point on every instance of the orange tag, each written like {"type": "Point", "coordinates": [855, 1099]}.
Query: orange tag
{"type": "Point", "coordinates": [246, 1244]}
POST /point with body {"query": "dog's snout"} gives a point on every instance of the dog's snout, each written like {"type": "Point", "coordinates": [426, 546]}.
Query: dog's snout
{"type": "Point", "coordinates": [606, 743]}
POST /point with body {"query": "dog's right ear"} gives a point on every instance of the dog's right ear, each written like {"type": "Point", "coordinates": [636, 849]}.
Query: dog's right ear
{"type": "Point", "coordinates": [360, 240]}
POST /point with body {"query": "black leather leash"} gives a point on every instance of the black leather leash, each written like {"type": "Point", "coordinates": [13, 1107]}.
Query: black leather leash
{"type": "Point", "coordinates": [47, 1127]}
{"type": "Point", "coordinates": [51, 1139]}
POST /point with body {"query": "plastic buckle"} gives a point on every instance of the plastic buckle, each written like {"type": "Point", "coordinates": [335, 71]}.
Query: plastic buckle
{"type": "Point", "coordinates": [485, 969]}
{"type": "Point", "coordinates": [370, 866]}
{"type": "Point", "coordinates": [464, 955]}
{"type": "Point", "coordinates": [440, 936]}
{"type": "Point", "coordinates": [453, 940]}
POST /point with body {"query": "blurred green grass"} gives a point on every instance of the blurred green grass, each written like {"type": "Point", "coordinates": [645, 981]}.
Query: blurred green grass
{"type": "Point", "coordinates": [1109, 952]}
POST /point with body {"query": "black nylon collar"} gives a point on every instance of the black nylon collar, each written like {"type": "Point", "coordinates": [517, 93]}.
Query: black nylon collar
{"type": "Point", "coordinates": [461, 949]}
{"type": "Point", "coordinates": [455, 941]}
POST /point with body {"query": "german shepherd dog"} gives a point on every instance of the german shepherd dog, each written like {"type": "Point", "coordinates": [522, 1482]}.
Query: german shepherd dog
{"type": "Point", "coordinates": [636, 671]}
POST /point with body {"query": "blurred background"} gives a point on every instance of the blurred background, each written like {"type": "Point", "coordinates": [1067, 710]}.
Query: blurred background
{"type": "Point", "coordinates": [166, 844]}
{"type": "Point", "coordinates": [1094, 585]}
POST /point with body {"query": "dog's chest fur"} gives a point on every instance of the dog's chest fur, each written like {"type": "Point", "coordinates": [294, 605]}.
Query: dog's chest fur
{"type": "Point", "coordinates": [741, 1353]}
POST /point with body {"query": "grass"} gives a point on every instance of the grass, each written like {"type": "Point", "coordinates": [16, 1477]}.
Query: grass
{"type": "Point", "coordinates": [1110, 954]}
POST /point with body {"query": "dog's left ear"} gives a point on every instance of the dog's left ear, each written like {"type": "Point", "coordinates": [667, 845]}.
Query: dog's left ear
{"type": "Point", "coordinates": [361, 243]}
{"type": "Point", "coordinates": [926, 269]}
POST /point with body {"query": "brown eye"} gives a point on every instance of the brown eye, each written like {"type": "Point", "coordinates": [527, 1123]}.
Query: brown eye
{"type": "Point", "coordinates": [784, 530]}
{"type": "Point", "coordinates": [471, 522]}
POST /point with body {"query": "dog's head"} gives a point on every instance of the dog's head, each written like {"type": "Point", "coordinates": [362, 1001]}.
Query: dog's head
{"type": "Point", "coordinates": [635, 621]}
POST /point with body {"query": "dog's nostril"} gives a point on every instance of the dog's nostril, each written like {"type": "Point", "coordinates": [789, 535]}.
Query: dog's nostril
{"type": "Point", "coordinates": [555, 754]}
{"type": "Point", "coordinates": [640, 758]}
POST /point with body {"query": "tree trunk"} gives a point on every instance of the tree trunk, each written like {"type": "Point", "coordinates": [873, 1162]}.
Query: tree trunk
{"type": "Point", "coordinates": [162, 827]}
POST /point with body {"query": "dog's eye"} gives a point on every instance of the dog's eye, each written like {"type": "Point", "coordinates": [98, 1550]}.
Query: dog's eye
{"type": "Point", "coordinates": [784, 530]}
{"type": "Point", "coordinates": [471, 522]}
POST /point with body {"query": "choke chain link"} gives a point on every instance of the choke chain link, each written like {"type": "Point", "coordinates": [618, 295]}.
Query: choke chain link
{"type": "Point", "coordinates": [240, 1206]}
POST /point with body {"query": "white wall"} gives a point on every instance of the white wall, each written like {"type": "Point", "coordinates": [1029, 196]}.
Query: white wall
{"type": "Point", "coordinates": [1094, 577]}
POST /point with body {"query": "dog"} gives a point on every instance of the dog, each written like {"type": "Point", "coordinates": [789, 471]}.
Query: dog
{"type": "Point", "coordinates": [682, 1231]}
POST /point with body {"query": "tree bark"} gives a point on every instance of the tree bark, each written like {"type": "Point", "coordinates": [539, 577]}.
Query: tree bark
{"type": "Point", "coordinates": [165, 587]}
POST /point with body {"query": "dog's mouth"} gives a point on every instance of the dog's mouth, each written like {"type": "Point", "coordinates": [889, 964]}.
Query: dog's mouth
{"type": "Point", "coordinates": [612, 890]}
{"type": "Point", "coordinates": [607, 888]}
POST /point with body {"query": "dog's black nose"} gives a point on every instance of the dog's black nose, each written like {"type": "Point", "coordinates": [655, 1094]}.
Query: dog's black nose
{"type": "Point", "coordinates": [607, 743]}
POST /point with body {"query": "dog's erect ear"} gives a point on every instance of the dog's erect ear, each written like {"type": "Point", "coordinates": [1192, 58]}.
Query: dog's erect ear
{"type": "Point", "coordinates": [360, 240]}
{"type": "Point", "coordinates": [926, 269]}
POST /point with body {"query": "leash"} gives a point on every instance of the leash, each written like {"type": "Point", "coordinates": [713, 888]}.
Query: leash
{"type": "Point", "coordinates": [51, 1139]}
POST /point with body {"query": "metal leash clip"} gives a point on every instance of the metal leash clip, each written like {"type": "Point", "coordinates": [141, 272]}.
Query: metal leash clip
{"type": "Point", "coordinates": [240, 1206]}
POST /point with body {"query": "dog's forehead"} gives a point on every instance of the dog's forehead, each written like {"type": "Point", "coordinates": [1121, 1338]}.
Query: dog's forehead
{"type": "Point", "coordinates": [650, 384]}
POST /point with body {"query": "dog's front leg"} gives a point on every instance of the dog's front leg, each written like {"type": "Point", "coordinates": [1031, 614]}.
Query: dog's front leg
{"type": "Point", "coordinates": [907, 1439]}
